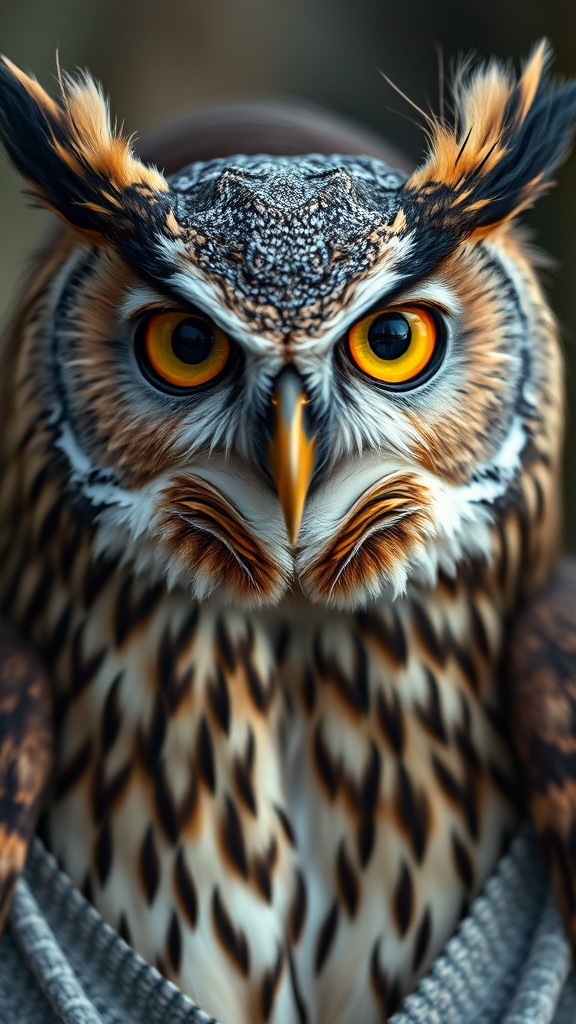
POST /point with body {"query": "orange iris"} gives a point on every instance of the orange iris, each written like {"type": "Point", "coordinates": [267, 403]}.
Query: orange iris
{"type": "Point", "coordinates": [185, 349]}
{"type": "Point", "coordinates": [393, 345]}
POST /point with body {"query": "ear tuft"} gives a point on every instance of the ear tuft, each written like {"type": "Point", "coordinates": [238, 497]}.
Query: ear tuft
{"type": "Point", "coordinates": [506, 138]}
{"type": "Point", "coordinates": [68, 152]}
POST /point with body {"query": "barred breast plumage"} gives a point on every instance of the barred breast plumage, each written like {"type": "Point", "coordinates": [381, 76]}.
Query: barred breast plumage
{"type": "Point", "coordinates": [280, 457]}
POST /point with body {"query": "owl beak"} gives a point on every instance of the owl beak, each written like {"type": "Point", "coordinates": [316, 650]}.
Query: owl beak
{"type": "Point", "coordinates": [291, 449]}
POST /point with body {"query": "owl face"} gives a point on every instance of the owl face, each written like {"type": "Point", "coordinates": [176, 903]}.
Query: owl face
{"type": "Point", "coordinates": [269, 375]}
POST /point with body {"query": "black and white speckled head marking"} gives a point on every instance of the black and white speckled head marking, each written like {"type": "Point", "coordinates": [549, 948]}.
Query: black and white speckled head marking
{"type": "Point", "coordinates": [284, 236]}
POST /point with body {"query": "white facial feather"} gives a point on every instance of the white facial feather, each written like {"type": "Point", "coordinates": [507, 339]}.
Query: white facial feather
{"type": "Point", "coordinates": [129, 522]}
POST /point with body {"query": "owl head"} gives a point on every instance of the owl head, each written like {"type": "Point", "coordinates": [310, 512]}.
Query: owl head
{"type": "Point", "coordinates": [266, 375]}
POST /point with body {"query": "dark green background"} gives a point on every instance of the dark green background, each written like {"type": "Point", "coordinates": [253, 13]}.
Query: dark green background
{"type": "Point", "coordinates": [158, 58]}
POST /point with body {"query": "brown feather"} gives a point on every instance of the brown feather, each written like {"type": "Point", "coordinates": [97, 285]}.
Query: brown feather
{"type": "Point", "coordinates": [26, 742]}
{"type": "Point", "coordinates": [541, 681]}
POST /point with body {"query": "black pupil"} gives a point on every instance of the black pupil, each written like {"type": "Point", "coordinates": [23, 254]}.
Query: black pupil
{"type": "Point", "coordinates": [389, 335]}
{"type": "Point", "coordinates": [192, 340]}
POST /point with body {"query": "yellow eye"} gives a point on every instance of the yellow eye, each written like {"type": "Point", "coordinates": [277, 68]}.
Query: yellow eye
{"type": "Point", "coordinates": [183, 349]}
{"type": "Point", "coordinates": [394, 346]}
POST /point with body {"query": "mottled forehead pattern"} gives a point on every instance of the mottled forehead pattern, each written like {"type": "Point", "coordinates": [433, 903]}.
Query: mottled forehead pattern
{"type": "Point", "coordinates": [283, 237]}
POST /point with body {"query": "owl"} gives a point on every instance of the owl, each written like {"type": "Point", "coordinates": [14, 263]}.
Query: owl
{"type": "Point", "coordinates": [280, 454]}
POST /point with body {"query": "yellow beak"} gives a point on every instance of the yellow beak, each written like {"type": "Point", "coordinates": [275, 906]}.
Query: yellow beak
{"type": "Point", "coordinates": [291, 450]}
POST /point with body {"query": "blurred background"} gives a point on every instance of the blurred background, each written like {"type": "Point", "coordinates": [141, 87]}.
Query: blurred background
{"type": "Point", "coordinates": [157, 59]}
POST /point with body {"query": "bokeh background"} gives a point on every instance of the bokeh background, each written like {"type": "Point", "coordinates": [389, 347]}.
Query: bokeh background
{"type": "Point", "coordinates": [160, 57]}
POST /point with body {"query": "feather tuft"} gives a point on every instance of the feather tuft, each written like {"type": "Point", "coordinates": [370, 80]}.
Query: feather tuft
{"type": "Point", "coordinates": [75, 161]}
{"type": "Point", "coordinates": [499, 150]}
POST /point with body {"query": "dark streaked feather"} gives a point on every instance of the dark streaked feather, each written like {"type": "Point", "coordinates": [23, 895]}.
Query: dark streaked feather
{"type": "Point", "coordinates": [541, 681]}
{"type": "Point", "coordinates": [26, 742]}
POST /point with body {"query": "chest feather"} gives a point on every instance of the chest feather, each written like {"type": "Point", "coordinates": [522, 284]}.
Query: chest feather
{"type": "Point", "coordinates": [302, 800]}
